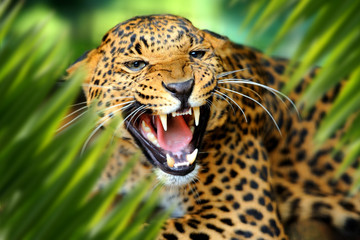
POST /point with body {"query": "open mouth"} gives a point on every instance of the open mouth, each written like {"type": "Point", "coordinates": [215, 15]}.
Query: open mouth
{"type": "Point", "coordinates": [170, 142]}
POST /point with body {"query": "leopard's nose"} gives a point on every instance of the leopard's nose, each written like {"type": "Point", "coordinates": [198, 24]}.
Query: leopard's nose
{"type": "Point", "coordinates": [181, 90]}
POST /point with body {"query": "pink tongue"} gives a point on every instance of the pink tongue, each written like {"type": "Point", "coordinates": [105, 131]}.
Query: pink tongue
{"type": "Point", "coordinates": [177, 136]}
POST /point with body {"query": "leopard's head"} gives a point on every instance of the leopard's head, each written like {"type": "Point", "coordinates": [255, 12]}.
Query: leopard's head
{"type": "Point", "coordinates": [160, 73]}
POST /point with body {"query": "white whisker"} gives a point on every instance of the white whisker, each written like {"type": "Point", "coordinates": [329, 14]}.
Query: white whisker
{"type": "Point", "coordinates": [209, 103]}
{"type": "Point", "coordinates": [72, 113]}
{"type": "Point", "coordinates": [110, 116]}
{"type": "Point", "coordinates": [258, 104]}
{"type": "Point", "coordinates": [230, 72]}
{"type": "Point", "coordinates": [70, 122]}
{"type": "Point", "coordinates": [117, 105]}
{"type": "Point", "coordinates": [127, 106]}
{"type": "Point", "coordinates": [270, 89]}
{"type": "Point", "coordinates": [141, 113]}
{"type": "Point", "coordinates": [223, 94]}
{"type": "Point", "coordinates": [82, 108]}
{"type": "Point", "coordinates": [92, 134]}
{"type": "Point", "coordinates": [134, 113]}
{"type": "Point", "coordinates": [226, 101]}
{"type": "Point", "coordinates": [257, 94]}
{"type": "Point", "coordinates": [77, 104]}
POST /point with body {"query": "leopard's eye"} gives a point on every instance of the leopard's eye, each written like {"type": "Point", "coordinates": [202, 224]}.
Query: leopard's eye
{"type": "Point", "coordinates": [136, 65]}
{"type": "Point", "coordinates": [197, 54]}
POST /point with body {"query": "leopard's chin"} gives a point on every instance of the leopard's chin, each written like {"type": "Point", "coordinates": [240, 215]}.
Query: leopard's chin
{"type": "Point", "coordinates": [170, 142]}
{"type": "Point", "coordinates": [174, 180]}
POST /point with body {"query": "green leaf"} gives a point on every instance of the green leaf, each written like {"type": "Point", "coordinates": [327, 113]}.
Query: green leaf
{"type": "Point", "coordinates": [254, 10]}
{"type": "Point", "coordinates": [325, 16]}
{"type": "Point", "coordinates": [268, 17]}
{"type": "Point", "coordinates": [5, 25]}
{"type": "Point", "coordinates": [352, 153]}
{"type": "Point", "coordinates": [75, 191]}
{"type": "Point", "coordinates": [115, 223]}
{"type": "Point", "coordinates": [45, 181]}
{"type": "Point", "coordinates": [329, 38]}
{"type": "Point", "coordinates": [23, 50]}
{"type": "Point", "coordinates": [351, 134]}
{"type": "Point", "coordinates": [154, 227]}
{"type": "Point", "coordinates": [346, 103]}
{"type": "Point", "coordinates": [303, 8]}
{"type": "Point", "coordinates": [334, 69]}
{"type": "Point", "coordinates": [3, 7]}
{"type": "Point", "coordinates": [146, 211]}
{"type": "Point", "coordinates": [333, 38]}
{"type": "Point", "coordinates": [109, 192]}
{"type": "Point", "coordinates": [356, 186]}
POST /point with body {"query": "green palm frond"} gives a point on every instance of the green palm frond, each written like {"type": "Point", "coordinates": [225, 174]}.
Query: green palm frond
{"type": "Point", "coordinates": [332, 37]}
{"type": "Point", "coordinates": [45, 184]}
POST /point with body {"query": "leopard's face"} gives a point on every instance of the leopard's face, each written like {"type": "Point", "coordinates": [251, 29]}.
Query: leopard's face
{"type": "Point", "coordinates": [159, 73]}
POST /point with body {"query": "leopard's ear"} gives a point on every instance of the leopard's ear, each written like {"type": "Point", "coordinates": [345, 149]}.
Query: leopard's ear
{"type": "Point", "coordinates": [217, 41]}
{"type": "Point", "coordinates": [88, 61]}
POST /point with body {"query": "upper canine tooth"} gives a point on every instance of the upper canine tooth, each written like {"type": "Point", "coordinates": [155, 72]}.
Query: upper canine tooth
{"type": "Point", "coordinates": [191, 157]}
{"type": "Point", "coordinates": [163, 119]}
{"type": "Point", "coordinates": [196, 115]}
{"type": "Point", "coordinates": [170, 161]}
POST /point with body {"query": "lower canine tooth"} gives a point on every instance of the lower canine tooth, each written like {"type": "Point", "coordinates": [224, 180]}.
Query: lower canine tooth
{"type": "Point", "coordinates": [145, 127]}
{"type": "Point", "coordinates": [191, 157]}
{"type": "Point", "coordinates": [152, 138]}
{"type": "Point", "coordinates": [170, 161]}
{"type": "Point", "coordinates": [196, 115]}
{"type": "Point", "coordinates": [163, 119]}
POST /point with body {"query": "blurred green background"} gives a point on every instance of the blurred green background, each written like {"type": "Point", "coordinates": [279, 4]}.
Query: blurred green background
{"type": "Point", "coordinates": [86, 21]}
{"type": "Point", "coordinates": [42, 175]}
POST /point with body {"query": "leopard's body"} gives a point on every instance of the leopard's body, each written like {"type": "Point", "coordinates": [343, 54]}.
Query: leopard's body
{"type": "Point", "coordinates": [249, 181]}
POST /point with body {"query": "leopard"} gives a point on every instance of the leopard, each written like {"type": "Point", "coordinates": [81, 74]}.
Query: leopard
{"type": "Point", "coordinates": [233, 153]}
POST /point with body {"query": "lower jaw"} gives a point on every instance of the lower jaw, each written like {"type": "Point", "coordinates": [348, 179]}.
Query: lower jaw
{"type": "Point", "coordinates": [162, 166]}
{"type": "Point", "coordinates": [176, 180]}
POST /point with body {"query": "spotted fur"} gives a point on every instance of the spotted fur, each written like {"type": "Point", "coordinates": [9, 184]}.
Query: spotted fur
{"type": "Point", "coordinates": [257, 170]}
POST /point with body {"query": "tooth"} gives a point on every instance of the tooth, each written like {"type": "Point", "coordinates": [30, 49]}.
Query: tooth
{"type": "Point", "coordinates": [191, 157]}
{"type": "Point", "coordinates": [151, 137]}
{"type": "Point", "coordinates": [189, 112]}
{"type": "Point", "coordinates": [196, 115]}
{"type": "Point", "coordinates": [170, 161]}
{"type": "Point", "coordinates": [163, 119]}
{"type": "Point", "coordinates": [173, 114]}
{"type": "Point", "coordinates": [145, 127]}
{"type": "Point", "coordinates": [181, 164]}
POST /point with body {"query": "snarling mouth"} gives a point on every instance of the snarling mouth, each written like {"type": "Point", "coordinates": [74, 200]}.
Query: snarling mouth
{"type": "Point", "coordinates": [170, 142]}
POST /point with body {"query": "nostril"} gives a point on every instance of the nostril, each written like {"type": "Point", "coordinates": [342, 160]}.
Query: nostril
{"type": "Point", "coordinates": [169, 88]}
{"type": "Point", "coordinates": [172, 88]}
{"type": "Point", "coordinates": [180, 88]}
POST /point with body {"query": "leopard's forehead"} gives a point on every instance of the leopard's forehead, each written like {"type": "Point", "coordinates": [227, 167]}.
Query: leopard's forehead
{"type": "Point", "coordinates": [156, 32]}
{"type": "Point", "coordinates": [153, 24]}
